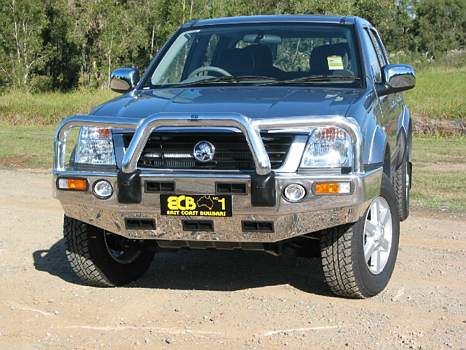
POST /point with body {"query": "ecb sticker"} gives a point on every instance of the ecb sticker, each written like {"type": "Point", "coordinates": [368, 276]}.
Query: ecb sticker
{"type": "Point", "coordinates": [195, 205]}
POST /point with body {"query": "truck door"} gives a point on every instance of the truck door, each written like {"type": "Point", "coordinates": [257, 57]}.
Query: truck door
{"type": "Point", "coordinates": [389, 109]}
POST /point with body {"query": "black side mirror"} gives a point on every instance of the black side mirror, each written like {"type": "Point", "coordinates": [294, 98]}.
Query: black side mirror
{"type": "Point", "coordinates": [124, 79]}
{"type": "Point", "coordinates": [397, 77]}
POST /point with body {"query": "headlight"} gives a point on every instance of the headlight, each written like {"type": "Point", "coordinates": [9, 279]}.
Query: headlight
{"type": "Point", "coordinates": [329, 147]}
{"type": "Point", "coordinates": [95, 146]}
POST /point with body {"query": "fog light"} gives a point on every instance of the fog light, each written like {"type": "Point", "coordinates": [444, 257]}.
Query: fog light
{"type": "Point", "coordinates": [103, 189]}
{"type": "Point", "coordinates": [294, 192]}
{"type": "Point", "coordinates": [72, 184]}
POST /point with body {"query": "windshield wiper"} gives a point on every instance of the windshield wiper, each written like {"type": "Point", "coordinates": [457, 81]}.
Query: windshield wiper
{"type": "Point", "coordinates": [262, 79]}
{"type": "Point", "coordinates": [225, 79]}
{"type": "Point", "coordinates": [320, 78]}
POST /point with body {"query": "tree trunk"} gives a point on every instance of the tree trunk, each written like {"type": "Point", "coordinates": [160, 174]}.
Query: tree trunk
{"type": "Point", "coordinates": [152, 39]}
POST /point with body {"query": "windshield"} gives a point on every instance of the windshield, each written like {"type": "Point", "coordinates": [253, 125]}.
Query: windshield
{"type": "Point", "coordinates": [259, 54]}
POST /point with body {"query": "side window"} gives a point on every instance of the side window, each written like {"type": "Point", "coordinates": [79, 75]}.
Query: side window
{"type": "Point", "coordinates": [373, 57]}
{"type": "Point", "coordinates": [381, 45]}
{"type": "Point", "coordinates": [378, 49]}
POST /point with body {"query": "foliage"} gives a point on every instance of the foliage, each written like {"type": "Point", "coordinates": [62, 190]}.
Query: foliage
{"type": "Point", "coordinates": [21, 47]}
{"type": "Point", "coordinates": [440, 26]}
{"type": "Point", "coordinates": [68, 44]}
{"type": "Point", "coordinates": [61, 66]}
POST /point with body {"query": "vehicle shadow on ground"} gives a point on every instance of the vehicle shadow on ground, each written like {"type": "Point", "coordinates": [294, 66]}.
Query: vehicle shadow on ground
{"type": "Point", "coordinates": [206, 270]}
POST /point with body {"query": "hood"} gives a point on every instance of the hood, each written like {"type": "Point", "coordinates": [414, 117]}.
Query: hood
{"type": "Point", "coordinates": [252, 101]}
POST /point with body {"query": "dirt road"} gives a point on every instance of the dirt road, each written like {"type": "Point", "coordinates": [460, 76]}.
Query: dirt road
{"type": "Point", "coordinates": [229, 300]}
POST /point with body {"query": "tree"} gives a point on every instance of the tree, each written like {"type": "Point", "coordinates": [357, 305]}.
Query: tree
{"type": "Point", "coordinates": [21, 49]}
{"type": "Point", "coordinates": [63, 44]}
{"type": "Point", "coordinates": [62, 62]}
{"type": "Point", "coordinates": [440, 25]}
{"type": "Point", "coordinates": [123, 36]}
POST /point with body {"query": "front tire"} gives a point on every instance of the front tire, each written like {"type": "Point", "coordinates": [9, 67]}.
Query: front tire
{"type": "Point", "coordinates": [358, 260]}
{"type": "Point", "coordinates": [101, 258]}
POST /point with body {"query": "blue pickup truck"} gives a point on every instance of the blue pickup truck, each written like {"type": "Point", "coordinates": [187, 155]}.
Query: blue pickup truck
{"type": "Point", "coordinates": [266, 133]}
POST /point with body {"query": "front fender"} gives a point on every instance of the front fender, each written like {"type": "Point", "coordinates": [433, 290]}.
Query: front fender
{"type": "Point", "coordinates": [404, 125]}
{"type": "Point", "coordinates": [376, 143]}
{"type": "Point", "coordinates": [402, 138]}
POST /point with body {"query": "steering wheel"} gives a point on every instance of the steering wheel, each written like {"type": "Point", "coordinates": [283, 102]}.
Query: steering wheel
{"type": "Point", "coordinates": [209, 69]}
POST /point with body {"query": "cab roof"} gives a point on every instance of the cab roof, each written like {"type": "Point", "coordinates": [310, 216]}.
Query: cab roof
{"type": "Point", "coordinates": [274, 19]}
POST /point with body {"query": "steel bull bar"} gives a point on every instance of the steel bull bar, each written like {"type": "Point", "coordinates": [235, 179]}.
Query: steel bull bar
{"type": "Point", "coordinates": [262, 181]}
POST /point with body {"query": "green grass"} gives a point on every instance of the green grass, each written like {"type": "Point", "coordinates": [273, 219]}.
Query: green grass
{"type": "Point", "coordinates": [19, 108]}
{"type": "Point", "coordinates": [439, 172]}
{"type": "Point", "coordinates": [435, 190]}
{"type": "Point", "coordinates": [431, 151]}
{"type": "Point", "coordinates": [440, 85]}
{"type": "Point", "coordinates": [439, 169]}
{"type": "Point", "coordinates": [26, 146]}
{"type": "Point", "coordinates": [439, 93]}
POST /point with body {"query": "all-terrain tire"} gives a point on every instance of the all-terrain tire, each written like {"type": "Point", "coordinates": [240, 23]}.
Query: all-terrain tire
{"type": "Point", "coordinates": [87, 252]}
{"type": "Point", "coordinates": [342, 254]}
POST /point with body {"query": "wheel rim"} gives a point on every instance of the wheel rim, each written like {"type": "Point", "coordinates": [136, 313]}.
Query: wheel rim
{"type": "Point", "coordinates": [377, 235]}
{"type": "Point", "coordinates": [121, 249]}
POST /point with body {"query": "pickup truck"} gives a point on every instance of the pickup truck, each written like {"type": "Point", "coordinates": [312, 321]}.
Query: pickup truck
{"type": "Point", "coordinates": [265, 133]}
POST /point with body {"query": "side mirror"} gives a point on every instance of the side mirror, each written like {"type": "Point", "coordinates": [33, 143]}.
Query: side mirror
{"type": "Point", "coordinates": [397, 77]}
{"type": "Point", "coordinates": [124, 79]}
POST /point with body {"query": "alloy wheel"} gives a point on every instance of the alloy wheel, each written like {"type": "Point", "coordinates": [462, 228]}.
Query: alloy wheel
{"type": "Point", "coordinates": [377, 235]}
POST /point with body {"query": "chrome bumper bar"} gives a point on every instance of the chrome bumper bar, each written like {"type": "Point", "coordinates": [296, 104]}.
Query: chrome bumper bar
{"type": "Point", "coordinates": [251, 128]}
{"type": "Point", "coordinates": [312, 214]}
{"type": "Point", "coordinates": [289, 219]}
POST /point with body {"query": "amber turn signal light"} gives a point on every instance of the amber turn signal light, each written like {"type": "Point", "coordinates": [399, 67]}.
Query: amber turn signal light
{"type": "Point", "coordinates": [72, 184]}
{"type": "Point", "coordinates": [332, 188]}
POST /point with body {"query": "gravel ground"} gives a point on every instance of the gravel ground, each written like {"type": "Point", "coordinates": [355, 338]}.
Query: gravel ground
{"type": "Point", "coordinates": [233, 300]}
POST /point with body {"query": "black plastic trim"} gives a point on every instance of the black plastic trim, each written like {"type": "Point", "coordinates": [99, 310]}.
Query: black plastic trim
{"type": "Point", "coordinates": [139, 224]}
{"type": "Point", "coordinates": [257, 226]}
{"type": "Point", "coordinates": [230, 188]}
{"type": "Point", "coordinates": [263, 192]}
{"type": "Point", "coordinates": [198, 225]}
{"type": "Point", "coordinates": [159, 186]}
{"type": "Point", "coordinates": [129, 187]}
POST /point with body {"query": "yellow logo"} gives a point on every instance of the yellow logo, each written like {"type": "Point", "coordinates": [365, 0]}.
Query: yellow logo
{"type": "Point", "coordinates": [181, 203]}
{"type": "Point", "coordinates": [205, 201]}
